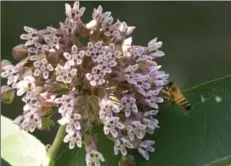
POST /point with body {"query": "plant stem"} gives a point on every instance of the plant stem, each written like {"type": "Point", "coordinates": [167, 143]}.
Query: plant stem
{"type": "Point", "coordinates": [53, 150]}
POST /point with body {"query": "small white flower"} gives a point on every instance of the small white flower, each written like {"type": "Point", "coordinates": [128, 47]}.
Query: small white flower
{"type": "Point", "coordinates": [152, 99]}
{"type": "Point", "coordinates": [31, 37]}
{"type": "Point", "coordinates": [142, 83]}
{"type": "Point", "coordinates": [74, 138]}
{"type": "Point", "coordinates": [97, 14]}
{"type": "Point", "coordinates": [128, 105]}
{"type": "Point", "coordinates": [71, 119]}
{"type": "Point", "coordinates": [156, 54]}
{"type": "Point", "coordinates": [137, 51]}
{"type": "Point", "coordinates": [65, 73]}
{"type": "Point", "coordinates": [145, 147]}
{"type": "Point", "coordinates": [110, 126]}
{"type": "Point", "coordinates": [32, 94]}
{"type": "Point", "coordinates": [95, 50]}
{"type": "Point", "coordinates": [68, 27]}
{"type": "Point", "coordinates": [37, 49]}
{"type": "Point", "coordinates": [52, 42]}
{"type": "Point", "coordinates": [107, 108]}
{"type": "Point", "coordinates": [30, 120]}
{"type": "Point", "coordinates": [31, 106]}
{"type": "Point", "coordinates": [97, 76]}
{"type": "Point", "coordinates": [151, 124]}
{"type": "Point", "coordinates": [51, 30]}
{"type": "Point", "coordinates": [122, 31]}
{"type": "Point", "coordinates": [135, 128]}
{"type": "Point", "coordinates": [121, 144]}
{"type": "Point", "coordinates": [129, 73]}
{"type": "Point", "coordinates": [127, 30]}
{"type": "Point", "coordinates": [150, 113]}
{"type": "Point", "coordinates": [24, 85]}
{"type": "Point", "coordinates": [153, 45]}
{"type": "Point", "coordinates": [75, 12]}
{"type": "Point", "coordinates": [67, 104]}
{"type": "Point", "coordinates": [105, 58]}
{"type": "Point", "coordinates": [106, 62]}
{"type": "Point", "coordinates": [12, 74]}
{"type": "Point", "coordinates": [42, 67]}
{"type": "Point", "coordinates": [159, 78]}
{"type": "Point", "coordinates": [108, 27]}
{"type": "Point", "coordinates": [94, 157]}
{"type": "Point", "coordinates": [75, 57]}
{"type": "Point", "coordinates": [106, 21]}
{"type": "Point", "coordinates": [7, 70]}
{"type": "Point", "coordinates": [159, 75]}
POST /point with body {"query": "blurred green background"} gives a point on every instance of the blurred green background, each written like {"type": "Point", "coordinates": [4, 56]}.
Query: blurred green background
{"type": "Point", "coordinates": [196, 36]}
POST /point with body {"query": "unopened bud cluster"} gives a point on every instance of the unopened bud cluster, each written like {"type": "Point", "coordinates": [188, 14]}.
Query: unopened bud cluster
{"type": "Point", "coordinates": [104, 81]}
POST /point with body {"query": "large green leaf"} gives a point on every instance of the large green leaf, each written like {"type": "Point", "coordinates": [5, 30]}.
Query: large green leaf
{"type": "Point", "coordinates": [200, 138]}
{"type": "Point", "coordinates": [18, 147]}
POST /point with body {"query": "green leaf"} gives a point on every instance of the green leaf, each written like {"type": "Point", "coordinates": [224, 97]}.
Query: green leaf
{"type": "Point", "coordinates": [196, 139]}
{"type": "Point", "coordinates": [220, 162]}
{"type": "Point", "coordinates": [18, 147]}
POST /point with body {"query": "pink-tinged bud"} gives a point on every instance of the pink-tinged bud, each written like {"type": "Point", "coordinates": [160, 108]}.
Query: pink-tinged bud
{"type": "Point", "coordinates": [7, 94]}
{"type": "Point", "coordinates": [19, 52]}
{"type": "Point", "coordinates": [5, 64]}
{"type": "Point", "coordinates": [53, 58]}
{"type": "Point", "coordinates": [47, 98]}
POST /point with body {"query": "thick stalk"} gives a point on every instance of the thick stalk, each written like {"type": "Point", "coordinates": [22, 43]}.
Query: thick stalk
{"type": "Point", "coordinates": [53, 150]}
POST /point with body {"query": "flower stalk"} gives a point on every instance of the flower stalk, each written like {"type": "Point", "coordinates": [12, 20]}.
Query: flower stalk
{"type": "Point", "coordinates": [53, 150]}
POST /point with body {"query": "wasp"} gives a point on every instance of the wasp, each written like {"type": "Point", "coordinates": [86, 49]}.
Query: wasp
{"type": "Point", "coordinates": [172, 92]}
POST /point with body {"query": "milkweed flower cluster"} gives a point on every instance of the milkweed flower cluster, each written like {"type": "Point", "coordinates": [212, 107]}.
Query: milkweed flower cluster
{"type": "Point", "coordinates": [105, 81]}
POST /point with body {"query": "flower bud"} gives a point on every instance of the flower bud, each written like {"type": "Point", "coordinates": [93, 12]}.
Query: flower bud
{"type": "Point", "coordinates": [7, 94]}
{"type": "Point", "coordinates": [53, 58]}
{"type": "Point", "coordinates": [5, 63]}
{"type": "Point", "coordinates": [19, 52]}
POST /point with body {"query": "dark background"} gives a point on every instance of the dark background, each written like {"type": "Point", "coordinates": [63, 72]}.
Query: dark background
{"type": "Point", "coordinates": [196, 36]}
